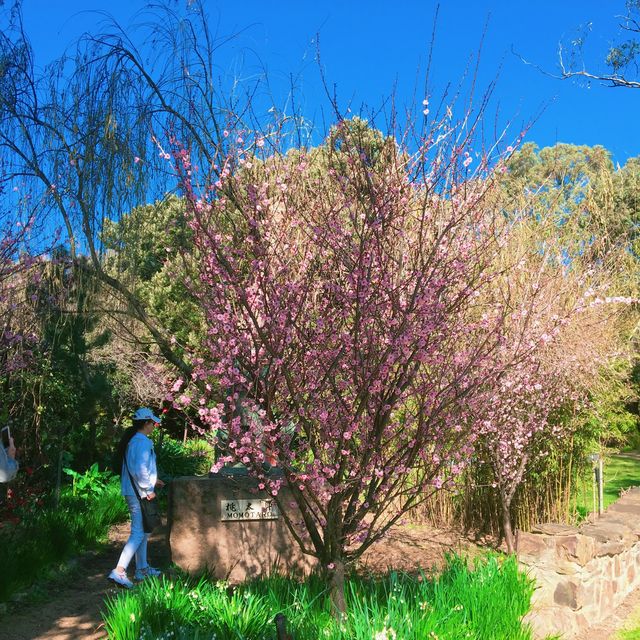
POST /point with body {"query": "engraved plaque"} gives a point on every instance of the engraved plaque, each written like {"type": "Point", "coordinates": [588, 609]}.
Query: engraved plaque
{"type": "Point", "coordinates": [248, 510]}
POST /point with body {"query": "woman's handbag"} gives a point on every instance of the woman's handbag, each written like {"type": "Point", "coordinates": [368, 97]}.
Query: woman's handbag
{"type": "Point", "coordinates": [151, 518]}
{"type": "Point", "coordinates": [150, 514]}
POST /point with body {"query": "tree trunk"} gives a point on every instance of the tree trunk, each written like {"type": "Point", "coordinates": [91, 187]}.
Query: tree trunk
{"type": "Point", "coordinates": [506, 525]}
{"type": "Point", "coordinates": [336, 590]}
{"type": "Point", "coordinates": [281, 627]}
{"type": "Point", "coordinates": [90, 452]}
{"type": "Point", "coordinates": [56, 492]}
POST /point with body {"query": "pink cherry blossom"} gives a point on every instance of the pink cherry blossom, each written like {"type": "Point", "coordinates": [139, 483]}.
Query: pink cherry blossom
{"type": "Point", "coordinates": [355, 335]}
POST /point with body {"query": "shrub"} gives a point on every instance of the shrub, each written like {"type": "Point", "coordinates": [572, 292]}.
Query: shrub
{"type": "Point", "coordinates": [92, 482]}
{"type": "Point", "coordinates": [193, 458]}
{"type": "Point", "coordinates": [51, 535]}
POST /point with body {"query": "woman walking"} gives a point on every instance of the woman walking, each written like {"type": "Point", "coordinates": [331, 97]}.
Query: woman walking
{"type": "Point", "coordinates": [138, 463]}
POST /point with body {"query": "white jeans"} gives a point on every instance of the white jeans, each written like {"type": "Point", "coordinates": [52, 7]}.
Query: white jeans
{"type": "Point", "coordinates": [137, 542]}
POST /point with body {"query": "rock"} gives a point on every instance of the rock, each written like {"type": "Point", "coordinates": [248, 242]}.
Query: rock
{"type": "Point", "coordinates": [235, 550]}
{"type": "Point", "coordinates": [533, 545]}
{"type": "Point", "coordinates": [582, 573]}
{"type": "Point", "coordinates": [575, 548]}
{"type": "Point", "coordinates": [554, 529]}
{"type": "Point", "coordinates": [566, 594]}
{"type": "Point", "coordinates": [611, 537]}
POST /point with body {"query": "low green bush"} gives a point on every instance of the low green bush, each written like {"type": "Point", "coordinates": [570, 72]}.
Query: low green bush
{"type": "Point", "coordinates": [92, 482]}
{"type": "Point", "coordinates": [487, 601]}
{"type": "Point", "coordinates": [193, 458]}
{"type": "Point", "coordinates": [45, 536]}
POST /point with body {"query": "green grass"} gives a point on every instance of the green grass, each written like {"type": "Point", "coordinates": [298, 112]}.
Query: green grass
{"type": "Point", "coordinates": [486, 602]}
{"type": "Point", "coordinates": [620, 472]}
{"type": "Point", "coordinates": [49, 536]}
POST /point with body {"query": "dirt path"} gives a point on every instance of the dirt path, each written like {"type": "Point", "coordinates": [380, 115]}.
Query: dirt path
{"type": "Point", "coordinates": [71, 608]}
{"type": "Point", "coordinates": [634, 455]}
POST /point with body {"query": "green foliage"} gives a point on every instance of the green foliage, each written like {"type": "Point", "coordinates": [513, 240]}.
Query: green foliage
{"type": "Point", "coordinates": [592, 204]}
{"type": "Point", "coordinates": [141, 241]}
{"type": "Point", "coordinates": [569, 184]}
{"type": "Point", "coordinates": [150, 249]}
{"type": "Point", "coordinates": [488, 601]}
{"type": "Point", "coordinates": [620, 59]}
{"type": "Point", "coordinates": [53, 409]}
{"type": "Point", "coordinates": [60, 403]}
{"type": "Point", "coordinates": [354, 138]}
{"type": "Point", "coordinates": [49, 535]}
{"type": "Point", "coordinates": [609, 419]}
{"type": "Point", "coordinates": [627, 200]}
{"type": "Point", "coordinates": [574, 199]}
{"type": "Point", "coordinates": [193, 458]}
{"type": "Point", "coordinates": [92, 482]}
{"type": "Point", "coordinates": [623, 56]}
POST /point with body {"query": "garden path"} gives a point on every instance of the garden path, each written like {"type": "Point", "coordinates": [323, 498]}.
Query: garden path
{"type": "Point", "coordinates": [69, 608]}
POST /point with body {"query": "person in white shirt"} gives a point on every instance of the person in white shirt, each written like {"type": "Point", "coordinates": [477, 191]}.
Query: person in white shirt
{"type": "Point", "coordinates": [8, 463]}
{"type": "Point", "coordinates": [135, 451]}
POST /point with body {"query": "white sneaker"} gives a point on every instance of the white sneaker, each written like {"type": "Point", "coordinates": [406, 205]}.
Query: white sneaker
{"type": "Point", "coordinates": [120, 579]}
{"type": "Point", "coordinates": [147, 572]}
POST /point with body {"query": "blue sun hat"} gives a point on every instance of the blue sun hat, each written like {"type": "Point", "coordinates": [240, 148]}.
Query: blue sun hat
{"type": "Point", "coordinates": [145, 414]}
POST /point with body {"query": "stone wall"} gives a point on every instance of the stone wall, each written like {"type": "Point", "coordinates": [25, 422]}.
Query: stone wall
{"type": "Point", "coordinates": [236, 550]}
{"type": "Point", "coordinates": [582, 573]}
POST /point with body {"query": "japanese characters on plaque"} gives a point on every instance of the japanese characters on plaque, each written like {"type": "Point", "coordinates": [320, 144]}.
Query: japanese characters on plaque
{"type": "Point", "coordinates": [248, 510]}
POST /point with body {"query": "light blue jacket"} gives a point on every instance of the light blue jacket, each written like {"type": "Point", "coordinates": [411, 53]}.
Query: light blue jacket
{"type": "Point", "coordinates": [141, 462]}
{"type": "Point", "coordinates": [8, 466]}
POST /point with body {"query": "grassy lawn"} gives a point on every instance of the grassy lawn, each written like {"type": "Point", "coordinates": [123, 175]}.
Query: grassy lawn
{"type": "Point", "coordinates": [620, 472]}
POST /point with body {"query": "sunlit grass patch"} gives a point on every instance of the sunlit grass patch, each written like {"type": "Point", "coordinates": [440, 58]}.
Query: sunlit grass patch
{"type": "Point", "coordinates": [621, 471]}
{"type": "Point", "coordinates": [487, 601]}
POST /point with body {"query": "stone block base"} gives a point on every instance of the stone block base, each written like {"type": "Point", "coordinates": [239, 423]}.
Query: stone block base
{"type": "Point", "coordinates": [234, 550]}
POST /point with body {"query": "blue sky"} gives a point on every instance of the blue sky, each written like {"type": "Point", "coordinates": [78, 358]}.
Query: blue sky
{"type": "Point", "coordinates": [370, 48]}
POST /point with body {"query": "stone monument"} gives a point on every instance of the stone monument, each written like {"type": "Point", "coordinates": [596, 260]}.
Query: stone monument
{"type": "Point", "coordinates": [223, 524]}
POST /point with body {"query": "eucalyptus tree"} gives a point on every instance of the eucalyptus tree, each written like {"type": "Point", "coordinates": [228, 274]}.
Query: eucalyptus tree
{"type": "Point", "coordinates": [621, 59]}
{"type": "Point", "coordinates": [583, 203]}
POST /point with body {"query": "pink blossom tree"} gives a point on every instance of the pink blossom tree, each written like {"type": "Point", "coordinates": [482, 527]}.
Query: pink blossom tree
{"type": "Point", "coordinates": [556, 336]}
{"type": "Point", "coordinates": [340, 287]}
{"type": "Point", "coordinates": [517, 425]}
